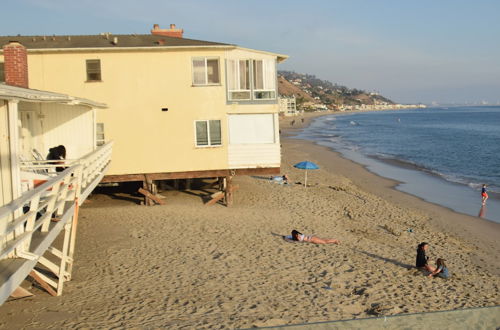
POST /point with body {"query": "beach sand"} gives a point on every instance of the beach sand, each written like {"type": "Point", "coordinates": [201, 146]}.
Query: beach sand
{"type": "Point", "coordinates": [187, 265]}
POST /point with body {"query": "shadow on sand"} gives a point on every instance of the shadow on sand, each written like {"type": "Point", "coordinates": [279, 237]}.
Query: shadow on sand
{"type": "Point", "coordinates": [392, 261]}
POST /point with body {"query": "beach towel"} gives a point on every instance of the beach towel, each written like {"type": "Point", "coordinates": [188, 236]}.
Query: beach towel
{"type": "Point", "coordinates": [289, 239]}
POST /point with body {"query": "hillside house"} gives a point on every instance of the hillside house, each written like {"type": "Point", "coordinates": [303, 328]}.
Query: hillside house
{"type": "Point", "coordinates": [288, 106]}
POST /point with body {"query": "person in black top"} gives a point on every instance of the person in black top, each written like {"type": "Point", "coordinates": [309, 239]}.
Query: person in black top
{"type": "Point", "coordinates": [57, 153]}
{"type": "Point", "coordinates": [421, 261]}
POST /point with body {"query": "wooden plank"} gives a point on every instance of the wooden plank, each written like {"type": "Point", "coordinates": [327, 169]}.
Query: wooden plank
{"type": "Point", "coordinates": [151, 196]}
{"type": "Point", "coordinates": [192, 174]}
{"type": "Point", "coordinates": [20, 293]}
{"type": "Point", "coordinates": [215, 198]}
{"type": "Point", "coordinates": [145, 187]}
{"type": "Point", "coordinates": [36, 276]}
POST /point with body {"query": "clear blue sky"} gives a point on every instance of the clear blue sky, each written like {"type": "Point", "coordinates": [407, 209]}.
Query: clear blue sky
{"type": "Point", "coordinates": [410, 51]}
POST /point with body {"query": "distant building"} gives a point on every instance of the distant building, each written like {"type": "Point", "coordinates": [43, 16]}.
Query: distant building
{"type": "Point", "coordinates": [288, 105]}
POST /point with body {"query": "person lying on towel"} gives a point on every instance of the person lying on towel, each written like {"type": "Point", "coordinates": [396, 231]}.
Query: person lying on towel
{"type": "Point", "coordinates": [299, 237]}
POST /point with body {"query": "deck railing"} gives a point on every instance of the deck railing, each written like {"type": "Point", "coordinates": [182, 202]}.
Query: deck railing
{"type": "Point", "coordinates": [30, 224]}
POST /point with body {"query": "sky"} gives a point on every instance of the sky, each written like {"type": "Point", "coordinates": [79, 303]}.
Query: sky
{"type": "Point", "coordinates": [444, 51]}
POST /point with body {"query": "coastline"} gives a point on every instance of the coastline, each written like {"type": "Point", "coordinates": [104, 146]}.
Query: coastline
{"type": "Point", "coordinates": [481, 232]}
{"type": "Point", "coordinates": [188, 265]}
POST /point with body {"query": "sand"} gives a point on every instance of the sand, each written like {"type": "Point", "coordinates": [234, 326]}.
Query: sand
{"type": "Point", "coordinates": [186, 265]}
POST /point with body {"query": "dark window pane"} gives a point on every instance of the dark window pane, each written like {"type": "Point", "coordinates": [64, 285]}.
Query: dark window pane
{"type": "Point", "coordinates": [199, 71]}
{"type": "Point", "coordinates": [201, 133]}
{"type": "Point", "coordinates": [215, 134]}
{"type": "Point", "coordinates": [258, 74]}
{"type": "Point", "coordinates": [213, 71]}
{"type": "Point", "coordinates": [93, 70]}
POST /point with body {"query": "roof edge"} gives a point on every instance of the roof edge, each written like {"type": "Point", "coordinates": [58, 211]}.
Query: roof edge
{"type": "Point", "coordinates": [8, 92]}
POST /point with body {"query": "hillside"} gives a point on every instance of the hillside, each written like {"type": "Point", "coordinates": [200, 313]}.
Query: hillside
{"type": "Point", "coordinates": [312, 92]}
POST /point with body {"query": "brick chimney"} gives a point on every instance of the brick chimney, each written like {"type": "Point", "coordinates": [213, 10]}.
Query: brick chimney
{"type": "Point", "coordinates": [15, 64]}
{"type": "Point", "coordinates": [172, 32]}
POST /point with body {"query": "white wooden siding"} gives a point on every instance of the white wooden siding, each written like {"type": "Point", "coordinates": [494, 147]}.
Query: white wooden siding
{"type": "Point", "coordinates": [254, 155]}
{"type": "Point", "coordinates": [55, 124]}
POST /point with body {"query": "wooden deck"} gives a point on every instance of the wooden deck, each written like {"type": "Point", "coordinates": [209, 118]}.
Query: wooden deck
{"type": "Point", "coordinates": [30, 224]}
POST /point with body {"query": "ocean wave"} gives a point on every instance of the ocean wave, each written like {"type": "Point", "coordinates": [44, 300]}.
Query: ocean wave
{"type": "Point", "coordinates": [454, 178]}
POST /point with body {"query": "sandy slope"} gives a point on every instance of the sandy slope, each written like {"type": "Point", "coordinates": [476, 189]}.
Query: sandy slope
{"type": "Point", "coordinates": [185, 265]}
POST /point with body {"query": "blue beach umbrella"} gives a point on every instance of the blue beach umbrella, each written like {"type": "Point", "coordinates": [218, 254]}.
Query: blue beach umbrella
{"type": "Point", "coordinates": [306, 165]}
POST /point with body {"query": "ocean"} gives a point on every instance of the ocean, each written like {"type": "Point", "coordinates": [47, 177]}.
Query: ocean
{"type": "Point", "coordinates": [442, 155]}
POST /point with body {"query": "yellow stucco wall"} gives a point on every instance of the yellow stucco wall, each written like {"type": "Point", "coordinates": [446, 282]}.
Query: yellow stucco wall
{"type": "Point", "coordinates": [136, 85]}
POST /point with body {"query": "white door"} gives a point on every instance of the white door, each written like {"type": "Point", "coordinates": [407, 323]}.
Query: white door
{"type": "Point", "coordinates": [26, 134]}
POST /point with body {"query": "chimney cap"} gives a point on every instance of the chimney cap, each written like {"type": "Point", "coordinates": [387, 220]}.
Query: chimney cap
{"type": "Point", "coordinates": [171, 32]}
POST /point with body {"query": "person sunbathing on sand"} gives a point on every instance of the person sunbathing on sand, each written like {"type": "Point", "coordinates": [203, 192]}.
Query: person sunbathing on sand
{"type": "Point", "coordinates": [441, 270]}
{"type": "Point", "coordinates": [422, 259]}
{"type": "Point", "coordinates": [296, 236]}
{"type": "Point", "coordinates": [280, 179]}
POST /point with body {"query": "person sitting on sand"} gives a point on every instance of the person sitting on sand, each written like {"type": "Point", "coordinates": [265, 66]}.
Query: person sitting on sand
{"type": "Point", "coordinates": [280, 179]}
{"type": "Point", "coordinates": [422, 259]}
{"type": "Point", "coordinates": [441, 270]}
{"type": "Point", "coordinates": [296, 236]}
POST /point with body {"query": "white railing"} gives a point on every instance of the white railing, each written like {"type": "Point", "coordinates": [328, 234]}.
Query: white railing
{"type": "Point", "coordinates": [30, 224]}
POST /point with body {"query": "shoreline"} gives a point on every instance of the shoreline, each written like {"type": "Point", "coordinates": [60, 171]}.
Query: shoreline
{"type": "Point", "coordinates": [188, 265]}
{"type": "Point", "coordinates": [478, 231]}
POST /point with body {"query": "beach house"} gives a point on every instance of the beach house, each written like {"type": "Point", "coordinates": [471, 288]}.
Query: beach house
{"type": "Point", "coordinates": [38, 202]}
{"type": "Point", "coordinates": [177, 108]}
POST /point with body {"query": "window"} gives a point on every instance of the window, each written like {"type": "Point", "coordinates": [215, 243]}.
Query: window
{"type": "Point", "coordinates": [262, 74]}
{"type": "Point", "coordinates": [99, 134]}
{"type": "Point", "coordinates": [238, 79]}
{"type": "Point", "coordinates": [208, 133]}
{"type": "Point", "coordinates": [94, 70]}
{"type": "Point", "coordinates": [206, 71]}
{"type": "Point", "coordinates": [2, 72]}
{"type": "Point", "coordinates": [264, 79]}
{"type": "Point", "coordinates": [251, 129]}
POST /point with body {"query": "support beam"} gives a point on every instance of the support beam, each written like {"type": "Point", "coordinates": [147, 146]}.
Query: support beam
{"type": "Point", "coordinates": [72, 243]}
{"type": "Point", "coordinates": [38, 278]}
{"type": "Point", "coordinates": [229, 191]}
{"type": "Point", "coordinates": [151, 196]}
{"type": "Point", "coordinates": [192, 174]}
{"type": "Point", "coordinates": [215, 198]}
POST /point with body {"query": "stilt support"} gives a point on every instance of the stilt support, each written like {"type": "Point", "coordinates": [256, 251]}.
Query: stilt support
{"type": "Point", "coordinates": [229, 190]}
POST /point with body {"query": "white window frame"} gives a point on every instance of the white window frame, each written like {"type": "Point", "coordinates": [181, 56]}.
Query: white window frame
{"type": "Point", "coordinates": [230, 66]}
{"type": "Point", "coordinates": [205, 59]}
{"type": "Point", "coordinates": [89, 71]}
{"type": "Point", "coordinates": [266, 80]}
{"type": "Point", "coordinates": [210, 144]}
{"type": "Point", "coordinates": [100, 137]}
{"type": "Point", "coordinates": [237, 78]}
